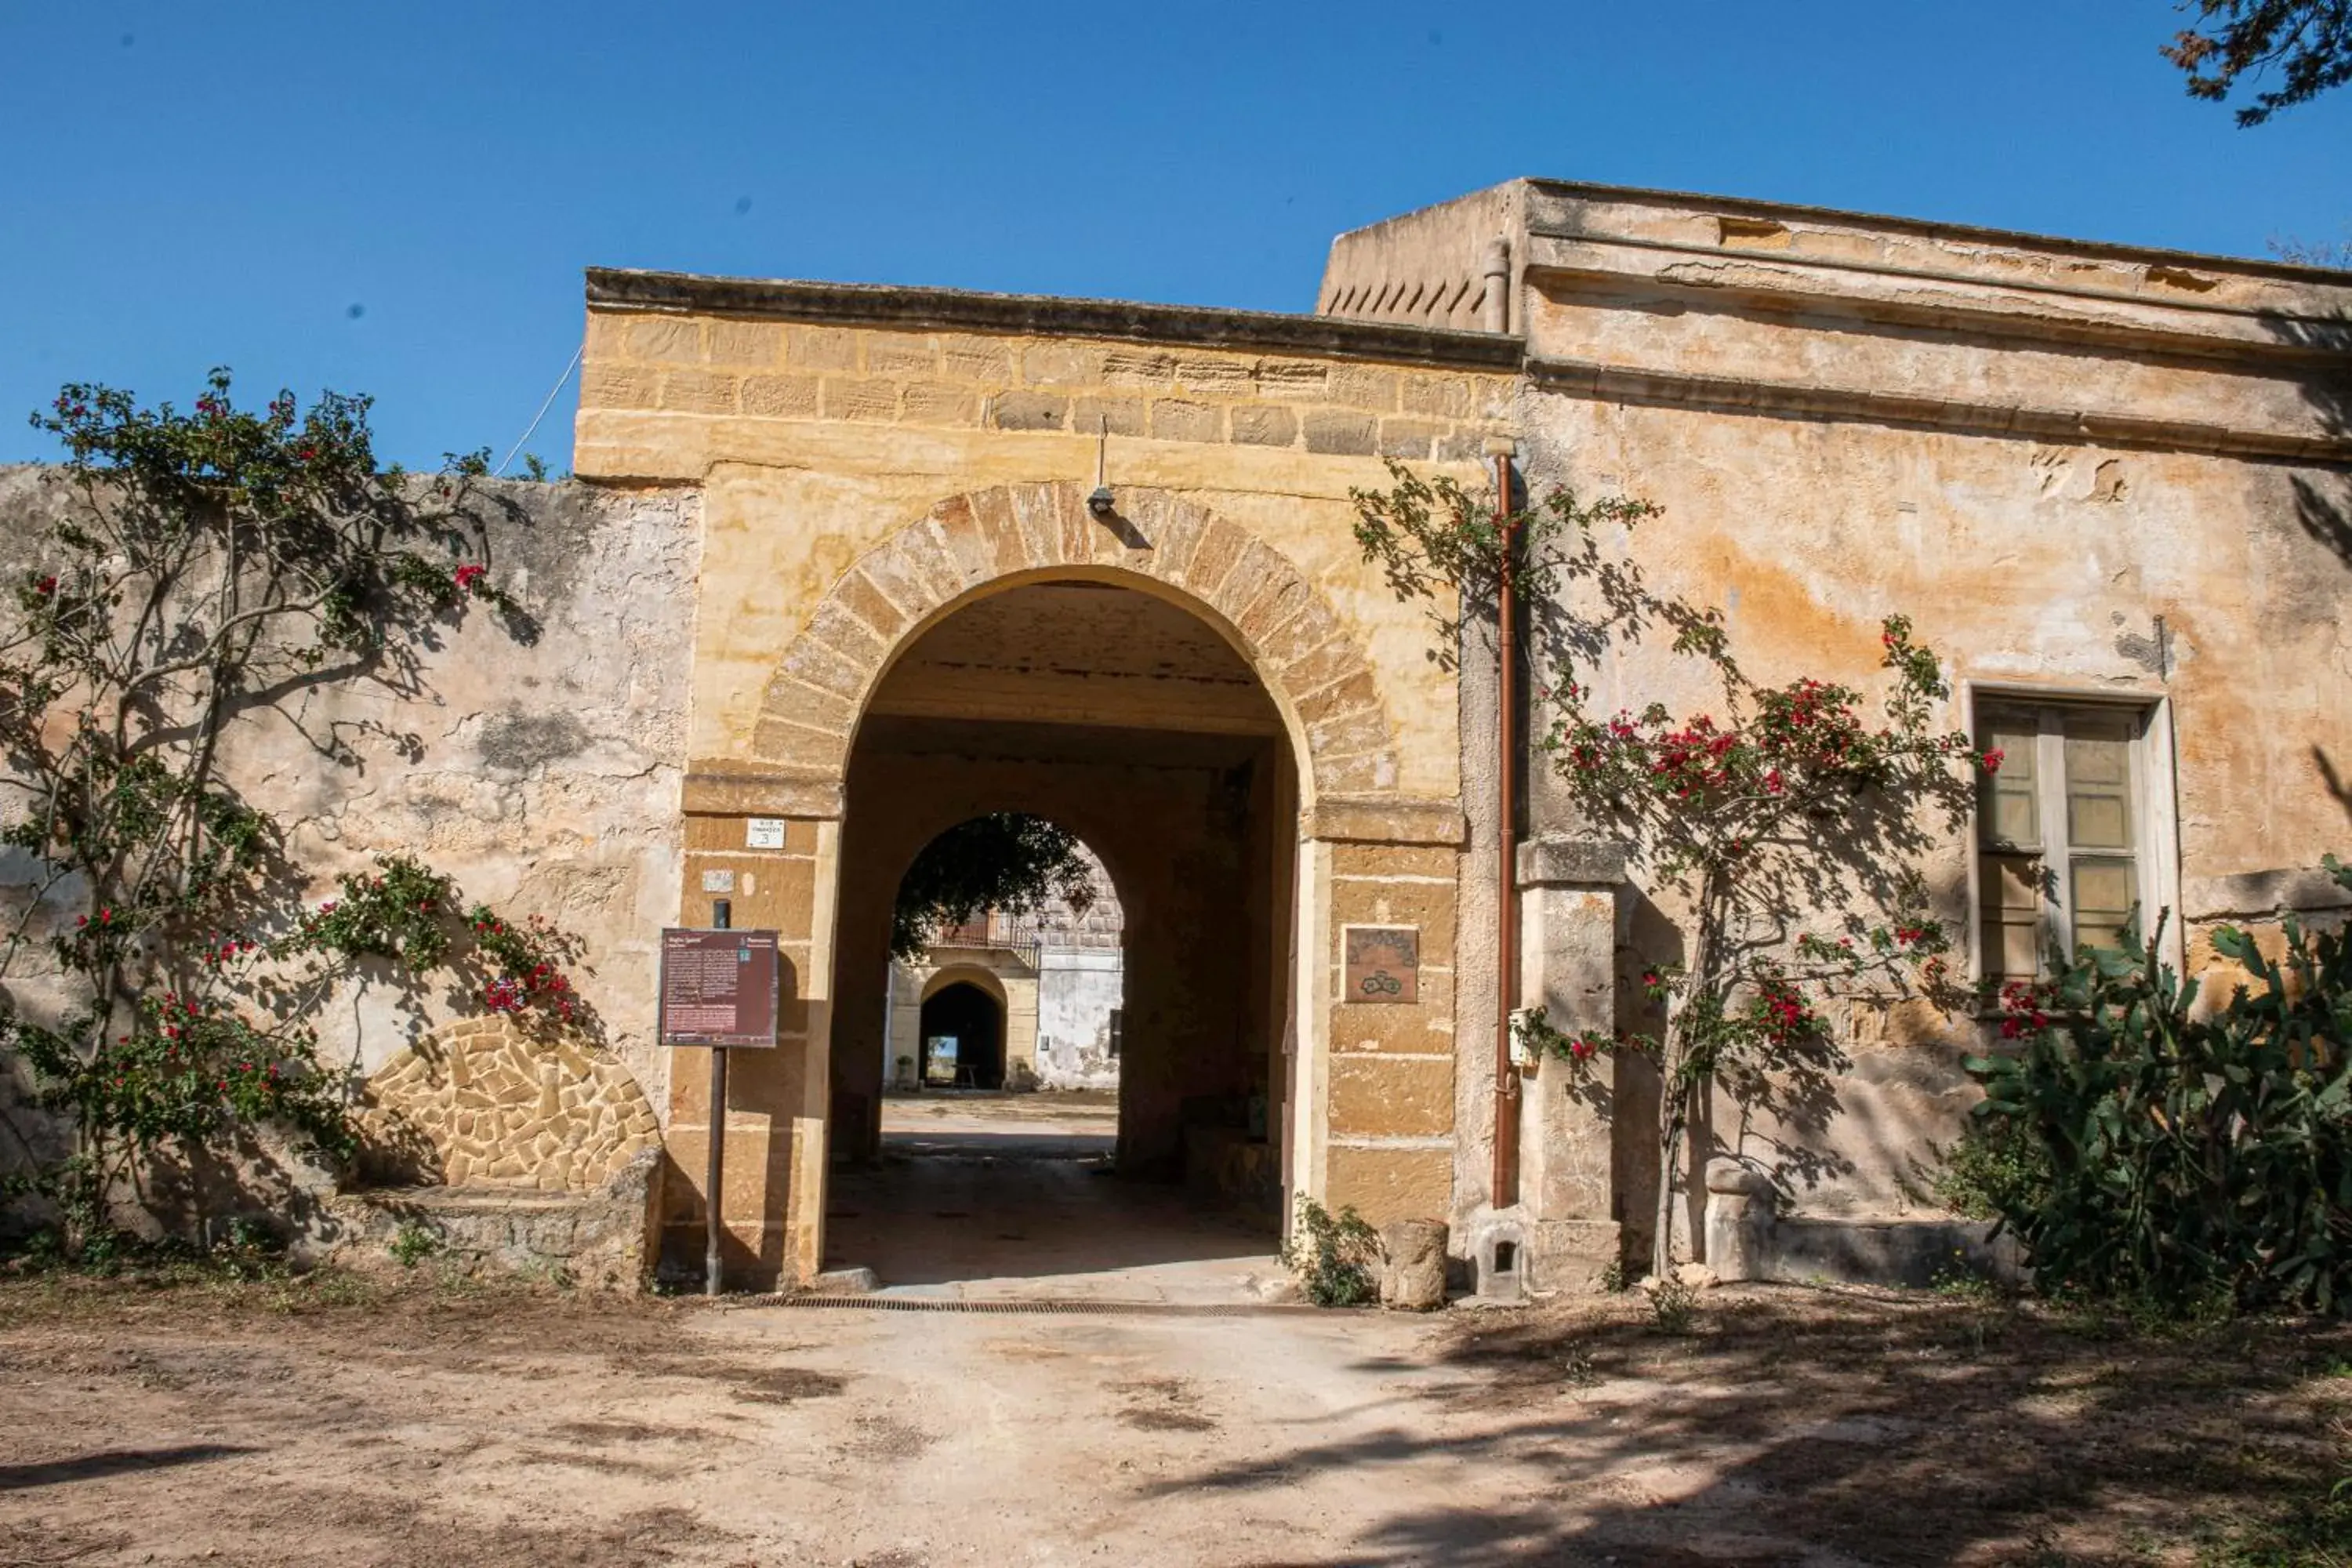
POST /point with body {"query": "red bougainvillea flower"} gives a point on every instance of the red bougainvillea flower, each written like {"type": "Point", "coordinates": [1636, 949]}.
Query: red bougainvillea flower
{"type": "Point", "coordinates": [1992, 760]}
{"type": "Point", "coordinates": [45, 587]}
{"type": "Point", "coordinates": [468, 574]}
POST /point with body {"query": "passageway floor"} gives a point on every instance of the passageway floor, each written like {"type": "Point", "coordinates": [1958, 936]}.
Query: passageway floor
{"type": "Point", "coordinates": [1011, 1197]}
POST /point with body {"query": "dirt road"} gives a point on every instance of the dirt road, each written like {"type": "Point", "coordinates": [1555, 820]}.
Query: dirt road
{"type": "Point", "coordinates": [554, 1432]}
{"type": "Point", "coordinates": [441, 1424]}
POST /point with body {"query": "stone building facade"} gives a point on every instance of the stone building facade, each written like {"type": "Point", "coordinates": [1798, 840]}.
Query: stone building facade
{"type": "Point", "coordinates": [1052, 980]}
{"type": "Point", "coordinates": [886, 558]}
{"type": "Point", "coordinates": [2109, 484]}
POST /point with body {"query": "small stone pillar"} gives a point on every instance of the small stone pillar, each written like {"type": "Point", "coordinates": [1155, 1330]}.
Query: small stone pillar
{"type": "Point", "coordinates": [1741, 1207]}
{"type": "Point", "coordinates": [1413, 1265]}
{"type": "Point", "coordinates": [1568, 956]}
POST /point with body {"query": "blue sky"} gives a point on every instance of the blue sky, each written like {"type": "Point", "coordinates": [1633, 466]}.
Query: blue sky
{"type": "Point", "coordinates": [397, 199]}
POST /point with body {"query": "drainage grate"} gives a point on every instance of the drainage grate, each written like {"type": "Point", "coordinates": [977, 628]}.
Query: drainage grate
{"type": "Point", "coordinates": [1045, 1308]}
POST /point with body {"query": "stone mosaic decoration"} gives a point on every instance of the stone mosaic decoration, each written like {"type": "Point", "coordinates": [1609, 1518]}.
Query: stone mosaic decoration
{"type": "Point", "coordinates": [481, 1103]}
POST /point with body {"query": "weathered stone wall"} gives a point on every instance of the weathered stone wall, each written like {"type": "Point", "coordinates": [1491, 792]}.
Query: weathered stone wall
{"type": "Point", "coordinates": [842, 527]}
{"type": "Point", "coordinates": [1447, 265]}
{"type": "Point", "coordinates": [542, 774]}
{"type": "Point", "coordinates": [2022, 563]}
{"type": "Point", "coordinates": [799, 490]}
{"type": "Point", "coordinates": [597, 1239]}
{"type": "Point", "coordinates": [1830, 446]}
{"type": "Point", "coordinates": [1077, 989]}
{"type": "Point", "coordinates": [2083, 470]}
{"type": "Point", "coordinates": [720, 368]}
{"type": "Point", "coordinates": [484, 1102]}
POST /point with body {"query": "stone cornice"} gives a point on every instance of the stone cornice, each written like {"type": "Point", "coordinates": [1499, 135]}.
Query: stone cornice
{"type": "Point", "coordinates": [1540, 223]}
{"type": "Point", "coordinates": [1666, 388]}
{"type": "Point", "coordinates": [1563, 862]}
{"type": "Point", "coordinates": [1036, 315]}
{"type": "Point", "coordinates": [2017, 315]}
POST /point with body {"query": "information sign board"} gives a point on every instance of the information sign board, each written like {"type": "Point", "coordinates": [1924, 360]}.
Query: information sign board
{"type": "Point", "coordinates": [719, 987]}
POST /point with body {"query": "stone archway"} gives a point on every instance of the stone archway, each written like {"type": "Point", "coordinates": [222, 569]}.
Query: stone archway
{"type": "Point", "coordinates": [987, 540]}
{"type": "Point", "coordinates": [974, 1018]}
{"type": "Point", "coordinates": [999, 989]}
{"type": "Point", "coordinates": [1368, 1112]}
{"type": "Point", "coordinates": [976, 975]}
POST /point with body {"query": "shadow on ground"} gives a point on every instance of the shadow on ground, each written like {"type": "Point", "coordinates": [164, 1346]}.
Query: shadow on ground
{"type": "Point", "coordinates": [1874, 1428]}
{"type": "Point", "coordinates": [111, 1462]}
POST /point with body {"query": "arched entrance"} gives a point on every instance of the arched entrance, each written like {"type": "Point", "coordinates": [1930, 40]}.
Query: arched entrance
{"type": "Point", "coordinates": [1167, 684]}
{"type": "Point", "coordinates": [962, 1035]}
{"type": "Point", "coordinates": [1130, 720]}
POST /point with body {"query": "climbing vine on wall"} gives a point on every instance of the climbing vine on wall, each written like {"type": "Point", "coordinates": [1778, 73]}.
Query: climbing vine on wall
{"type": "Point", "coordinates": [1776, 815]}
{"type": "Point", "coordinates": [1773, 815]}
{"type": "Point", "coordinates": [212, 565]}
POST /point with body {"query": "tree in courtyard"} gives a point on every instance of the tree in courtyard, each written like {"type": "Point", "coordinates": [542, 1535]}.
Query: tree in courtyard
{"type": "Point", "coordinates": [1005, 860]}
{"type": "Point", "coordinates": [1785, 823]}
{"type": "Point", "coordinates": [209, 569]}
{"type": "Point", "coordinates": [2307, 42]}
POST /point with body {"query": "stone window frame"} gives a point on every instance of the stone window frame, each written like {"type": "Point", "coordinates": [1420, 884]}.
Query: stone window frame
{"type": "Point", "coordinates": [2153, 792]}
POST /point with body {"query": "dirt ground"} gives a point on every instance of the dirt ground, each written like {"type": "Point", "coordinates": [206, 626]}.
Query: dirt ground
{"type": "Point", "coordinates": [426, 1421]}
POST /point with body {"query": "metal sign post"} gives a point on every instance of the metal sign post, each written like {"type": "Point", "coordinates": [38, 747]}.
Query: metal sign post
{"type": "Point", "coordinates": [714, 1172]}
{"type": "Point", "coordinates": [718, 991]}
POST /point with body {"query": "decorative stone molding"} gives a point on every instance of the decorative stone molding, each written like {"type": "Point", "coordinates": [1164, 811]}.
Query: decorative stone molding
{"type": "Point", "coordinates": [1667, 388]}
{"type": "Point", "coordinates": [481, 1103]}
{"type": "Point", "coordinates": [1387, 819]}
{"type": "Point", "coordinates": [956, 309]}
{"type": "Point", "coordinates": [1158, 542]}
{"type": "Point", "coordinates": [1560, 862]}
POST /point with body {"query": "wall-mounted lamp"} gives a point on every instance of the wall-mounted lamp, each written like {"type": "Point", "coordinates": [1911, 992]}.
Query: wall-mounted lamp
{"type": "Point", "coordinates": [1102, 502]}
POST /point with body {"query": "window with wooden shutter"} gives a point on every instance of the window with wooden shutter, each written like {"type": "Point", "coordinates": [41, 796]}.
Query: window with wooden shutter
{"type": "Point", "coordinates": [2059, 832]}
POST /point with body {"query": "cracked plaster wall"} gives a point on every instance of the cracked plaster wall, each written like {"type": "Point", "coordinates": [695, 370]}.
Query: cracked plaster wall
{"type": "Point", "coordinates": [2028, 563]}
{"type": "Point", "coordinates": [543, 775]}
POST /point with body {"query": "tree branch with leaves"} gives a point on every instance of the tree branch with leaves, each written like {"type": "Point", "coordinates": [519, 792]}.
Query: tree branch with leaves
{"type": "Point", "coordinates": [160, 973]}
{"type": "Point", "coordinates": [2307, 42]}
{"type": "Point", "coordinates": [1005, 860]}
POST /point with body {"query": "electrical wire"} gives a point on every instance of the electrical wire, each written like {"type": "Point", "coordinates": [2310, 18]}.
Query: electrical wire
{"type": "Point", "coordinates": [543, 407]}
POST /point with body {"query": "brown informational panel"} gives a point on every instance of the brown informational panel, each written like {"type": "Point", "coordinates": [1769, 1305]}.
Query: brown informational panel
{"type": "Point", "coordinates": [1383, 963]}
{"type": "Point", "coordinates": [719, 987]}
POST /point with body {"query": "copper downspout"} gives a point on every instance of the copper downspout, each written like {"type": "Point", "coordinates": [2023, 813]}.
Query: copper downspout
{"type": "Point", "coordinates": [1504, 1187]}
